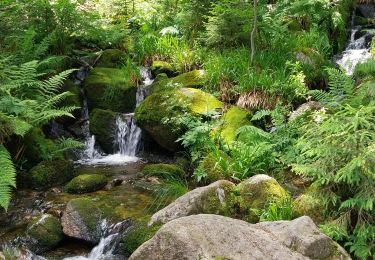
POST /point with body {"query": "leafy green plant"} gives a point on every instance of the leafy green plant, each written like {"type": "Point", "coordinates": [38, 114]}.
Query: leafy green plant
{"type": "Point", "coordinates": [275, 211]}
{"type": "Point", "coordinates": [7, 177]}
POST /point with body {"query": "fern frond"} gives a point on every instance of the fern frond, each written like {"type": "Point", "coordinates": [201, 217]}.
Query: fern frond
{"type": "Point", "coordinates": [7, 177]}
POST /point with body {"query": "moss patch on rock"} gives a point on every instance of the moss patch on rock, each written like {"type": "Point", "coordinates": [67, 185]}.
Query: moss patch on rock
{"type": "Point", "coordinates": [51, 173]}
{"type": "Point", "coordinates": [110, 58]}
{"type": "Point", "coordinates": [159, 67]}
{"type": "Point", "coordinates": [309, 204]}
{"type": "Point", "coordinates": [232, 120]}
{"type": "Point", "coordinates": [164, 171]}
{"type": "Point", "coordinates": [209, 166]}
{"type": "Point", "coordinates": [86, 183]}
{"type": "Point", "coordinates": [44, 233]}
{"type": "Point", "coordinates": [256, 192]}
{"type": "Point", "coordinates": [102, 125]}
{"type": "Point", "coordinates": [112, 89]}
{"type": "Point", "coordinates": [192, 79]}
{"type": "Point", "coordinates": [138, 234]}
{"type": "Point", "coordinates": [168, 104]}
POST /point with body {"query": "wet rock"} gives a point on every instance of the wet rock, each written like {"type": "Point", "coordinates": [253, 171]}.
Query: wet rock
{"type": "Point", "coordinates": [366, 10]}
{"type": "Point", "coordinates": [111, 89]}
{"type": "Point", "coordinates": [86, 183]}
{"type": "Point", "coordinates": [218, 237]}
{"type": "Point", "coordinates": [213, 199]}
{"type": "Point", "coordinates": [256, 192]}
{"type": "Point", "coordinates": [102, 125]}
{"type": "Point", "coordinates": [166, 104]}
{"type": "Point", "coordinates": [44, 233]}
{"type": "Point", "coordinates": [81, 219]}
{"type": "Point", "coordinates": [51, 173]}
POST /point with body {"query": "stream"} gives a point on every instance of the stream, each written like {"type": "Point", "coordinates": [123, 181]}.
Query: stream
{"type": "Point", "coordinates": [120, 194]}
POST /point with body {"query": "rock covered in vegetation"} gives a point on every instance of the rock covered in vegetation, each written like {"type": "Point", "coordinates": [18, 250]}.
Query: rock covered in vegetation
{"type": "Point", "coordinates": [102, 125]}
{"type": "Point", "coordinates": [232, 120]}
{"type": "Point", "coordinates": [51, 173]}
{"type": "Point", "coordinates": [309, 204]}
{"type": "Point", "coordinates": [112, 89]}
{"type": "Point", "coordinates": [256, 192]}
{"type": "Point", "coordinates": [44, 233]}
{"type": "Point", "coordinates": [218, 237]}
{"type": "Point", "coordinates": [209, 199]}
{"type": "Point", "coordinates": [192, 79]}
{"type": "Point", "coordinates": [159, 67]}
{"type": "Point", "coordinates": [82, 219]}
{"type": "Point", "coordinates": [152, 112]}
{"type": "Point", "coordinates": [110, 58]}
{"type": "Point", "coordinates": [86, 183]}
{"type": "Point", "coordinates": [166, 171]}
{"type": "Point", "coordinates": [209, 166]}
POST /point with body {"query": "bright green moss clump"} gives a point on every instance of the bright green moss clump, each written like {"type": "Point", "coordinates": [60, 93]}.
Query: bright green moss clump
{"type": "Point", "coordinates": [192, 79]}
{"type": "Point", "coordinates": [44, 233]}
{"type": "Point", "coordinates": [232, 120]}
{"type": "Point", "coordinates": [51, 173]}
{"type": "Point", "coordinates": [86, 183]}
{"type": "Point", "coordinates": [111, 89]}
{"type": "Point", "coordinates": [102, 126]}
{"type": "Point", "coordinates": [169, 104]}
{"type": "Point", "coordinates": [159, 67]}
{"type": "Point", "coordinates": [165, 171]}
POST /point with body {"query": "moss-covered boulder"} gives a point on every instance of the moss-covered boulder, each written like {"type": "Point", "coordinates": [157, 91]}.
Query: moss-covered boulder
{"type": "Point", "coordinates": [159, 67]}
{"type": "Point", "coordinates": [81, 219]}
{"type": "Point", "coordinates": [44, 233]}
{"type": "Point", "coordinates": [212, 171]}
{"type": "Point", "coordinates": [86, 183]}
{"type": "Point", "coordinates": [164, 171]}
{"type": "Point", "coordinates": [112, 89]}
{"type": "Point", "coordinates": [192, 79]}
{"type": "Point", "coordinates": [256, 192]}
{"type": "Point", "coordinates": [102, 125]}
{"type": "Point", "coordinates": [48, 174]}
{"type": "Point", "coordinates": [110, 58]}
{"type": "Point", "coordinates": [169, 104]}
{"type": "Point", "coordinates": [309, 204]}
{"type": "Point", "coordinates": [232, 120]}
{"type": "Point", "coordinates": [215, 198]}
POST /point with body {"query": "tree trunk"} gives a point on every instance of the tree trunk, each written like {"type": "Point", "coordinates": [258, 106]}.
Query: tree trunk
{"type": "Point", "coordinates": [253, 32]}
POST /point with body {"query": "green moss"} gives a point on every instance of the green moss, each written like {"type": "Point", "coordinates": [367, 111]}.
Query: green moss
{"type": "Point", "coordinates": [256, 192]}
{"type": "Point", "coordinates": [74, 99]}
{"type": "Point", "coordinates": [86, 183]}
{"type": "Point", "coordinates": [45, 233]}
{"type": "Point", "coordinates": [139, 234]}
{"type": "Point", "coordinates": [102, 124]}
{"type": "Point", "coordinates": [233, 119]}
{"type": "Point", "coordinates": [51, 173]}
{"type": "Point", "coordinates": [192, 79]}
{"type": "Point", "coordinates": [309, 204]}
{"type": "Point", "coordinates": [165, 171]}
{"type": "Point", "coordinates": [110, 58]}
{"type": "Point", "coordinates": [159, 67]}
{"type": "Point", "coordinates": [111, 89]}
{"type": "Point", "coordinates": [37, 147]}
{"type": "Point", "coordinates": [168, 104]}
{"type": "Point", "coordinates": [220, 202]}
{"type": "Point", "coordinates": [209, 166]}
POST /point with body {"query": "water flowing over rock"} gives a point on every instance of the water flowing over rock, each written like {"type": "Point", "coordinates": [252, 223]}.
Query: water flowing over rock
{"type": "Point", "coordinates": [357, 50]}
{"type": "Point", "coordinates": [218, 237]}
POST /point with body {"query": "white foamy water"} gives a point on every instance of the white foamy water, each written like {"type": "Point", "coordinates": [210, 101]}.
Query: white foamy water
{"type": "Point", "coordinates": [356, 51]}
{"type": "Point", "coordinates": [127, 136]}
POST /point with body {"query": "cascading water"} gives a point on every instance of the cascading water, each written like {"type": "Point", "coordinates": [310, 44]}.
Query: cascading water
{"type": "Point", "coordinates": [127, 134]}
{"type": "Point", "coordinates": [357, 50]}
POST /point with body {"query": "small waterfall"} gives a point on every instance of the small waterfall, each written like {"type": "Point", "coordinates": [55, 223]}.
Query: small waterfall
{"type": "Point", "coordinates": [127, 136]}
{"type": "Point", "coordinates": [357, 50]}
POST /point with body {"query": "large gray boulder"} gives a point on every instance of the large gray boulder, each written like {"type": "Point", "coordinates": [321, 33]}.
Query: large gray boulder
{"type": "Point", "coordinates": [211, 199]}
{"type": "Point", "coordinates": [218, 237]}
